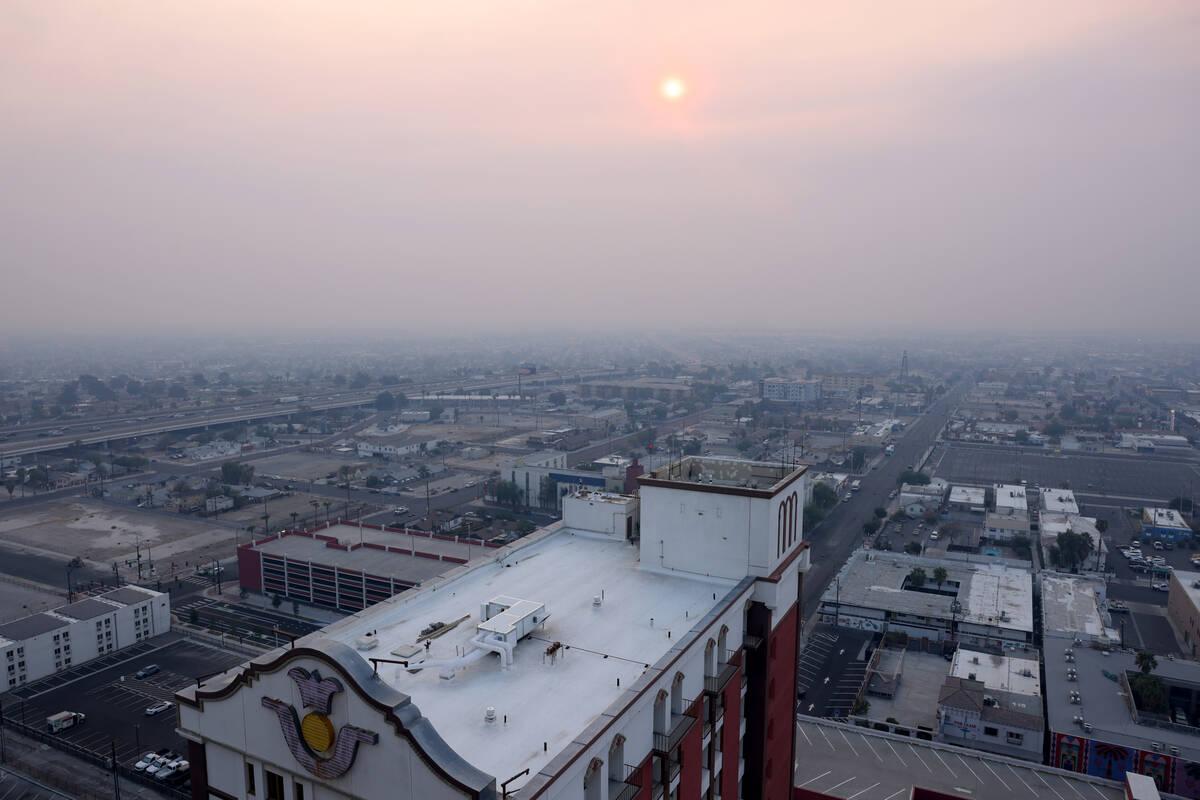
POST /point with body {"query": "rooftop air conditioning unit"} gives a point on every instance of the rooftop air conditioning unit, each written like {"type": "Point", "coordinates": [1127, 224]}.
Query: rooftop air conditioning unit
{"type": "Point", "coordinates": [1173, 750]}
{"type": "Point", "coordinates": [1087, 726]}
{"type": "Point", "coordinates": [1156, 746]}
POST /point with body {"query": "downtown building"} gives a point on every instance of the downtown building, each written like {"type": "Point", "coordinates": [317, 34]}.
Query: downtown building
{"type": "Point", "coordinates": [583, 661]}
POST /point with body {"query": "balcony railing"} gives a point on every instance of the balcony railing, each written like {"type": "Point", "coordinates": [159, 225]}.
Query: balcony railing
{"type": "Point", "coordinates": [715, 684]}
{"type": "Point", "coordinates": [752, 642]}
{"type": "Point", "coordinates": [626, 789]}
{"type": "Point", "coordinates": [680, 724]}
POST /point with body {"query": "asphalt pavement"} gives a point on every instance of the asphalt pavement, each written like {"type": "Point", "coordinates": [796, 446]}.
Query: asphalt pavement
{"type": "Point", "coordinates": [841, 532]}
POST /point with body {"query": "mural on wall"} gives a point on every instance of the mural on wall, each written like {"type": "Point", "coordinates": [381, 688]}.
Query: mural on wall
{"type": "Point", "coordinates": [1070, 753]}
{"type": "Point", "coordinates": [1187, 778]}
{"type": "Point", "coordinates": [1109, 761]}
{"type": "Point", "coordinates": [1157, 766]}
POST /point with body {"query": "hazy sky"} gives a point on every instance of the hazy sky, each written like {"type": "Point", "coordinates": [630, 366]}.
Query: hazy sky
{"type": "Point", "coordinates": [483, 164]}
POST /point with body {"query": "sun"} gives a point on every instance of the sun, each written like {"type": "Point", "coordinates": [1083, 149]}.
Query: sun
{"type": "Point", "coordinates": [672, 89]}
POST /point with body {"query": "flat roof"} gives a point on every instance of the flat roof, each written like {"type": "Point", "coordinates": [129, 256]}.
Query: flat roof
{"type": "Point", "coordinates": [87, 609]}
{"type": "Point", "coordinates": [1189, 581]}
{"type": "Point", "coordinates": [873, 579]}
{"type": "Point", "coordinates": [972, 495]}
{"type": "Point", "coordinates": [128, 595]}
{"type": "Point", "coordinates": [729, 472]}
{"type": "Point", "coordinates": [1011, 522]}
{"type": "Point", "coordinates": [1011, 496]}
{"type": "Point", "coordinates": [32, 625]}
{"type": "Point", "coordinates": [1006, 673]}
{"type": "Point", "coordinates": [1103, 704]}
{"type": "Point", "coordinates": [1071, 604]}
{"type": "Point", "coordinates": [642, 616]}
{"type": "Point", "coordinates": [846, 761]}
{"type": "Point", "coordinates": [1060, 500]}
{"type": "Point", "coordinates": [1165, 518]}
{"type": "Point", "coordinates": [384, 563]}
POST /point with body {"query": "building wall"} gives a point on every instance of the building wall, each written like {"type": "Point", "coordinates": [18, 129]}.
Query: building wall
{"type": "Point", "coordinates": [1076, 753]}
{"type": "Point", "coordinates": [1184, 614]}
{"type": "Point", "coordinates": [965, 727]}
{"type": "Point", "coordinates": [714, 533]}
{"type": "Point", "coordinates": [77, 641]}
{"type": "Point", "coordinates": [589, 513]}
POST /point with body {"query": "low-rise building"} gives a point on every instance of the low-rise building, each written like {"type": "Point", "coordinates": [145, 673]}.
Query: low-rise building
{"type": "Point", "coordinates": [1051, 524]}
{"type": "Point", "coordinates": [993, 702]}
{"type": "Point", "coordinates": [1060, 501]}
{"type": "Point", "coordinates": [1183, 608]}
{"type": "Point", "coordinates": [916, 498]}
{"type": "Point", "coordinates": [1166, 524]}
{"type": "Point", "coordinates": [1010, 500]}
{"type": "Point", "coordinates": [394, 446]}
{"type": "Point", "coordinates": [1004, 527]}
{"type": "Point", "coordinates": [971, 500]}
{"type": "Point", "coordinates": [790, 390]}
{"type": "Point", "coordinates": [42, 644]}
{"type": "Point", "coordinates": [1103, 725]}
{"type": "Point", "coordinates": [982, 604]}
{"type": "Point", "coordinates": [1075, 608]}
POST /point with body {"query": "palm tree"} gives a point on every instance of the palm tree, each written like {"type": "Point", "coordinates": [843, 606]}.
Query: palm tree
{"type": "Point", "coordinates": [423, 472]}
{"type": "Point", "coordinates": [316, 504]}
{"type": "Point", "coordinates": [1146, 662]}
{"type": "Point", "coordinates": [294, 515]}
{"type": "Point", "coordinates": [327, 504]}
{"type": "Point", "coordinates": [939, 576]}
{"type": "Point", "coordinates": [916, 577]}
{"type": "Point", "coordinates": [266, 518]}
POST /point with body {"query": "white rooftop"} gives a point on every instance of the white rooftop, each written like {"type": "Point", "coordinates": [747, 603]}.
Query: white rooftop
{"type": "Point", "coordinates": [1059, 500]}
{"type": "Point", "coordinates": [1072, 605]}
{"type": "Point", "coordinates": [967, 495]}
{"type": "Point", "coordinates": [1190, 583]}
{"type": "Point", "coordinates": [1165, 518]}
{"type": "Point", "coordinates": [1010, 497]}
{"type": "Point", "coordinates": [544, 699]}
{"type": "Point", "coordinates": [999, 673]}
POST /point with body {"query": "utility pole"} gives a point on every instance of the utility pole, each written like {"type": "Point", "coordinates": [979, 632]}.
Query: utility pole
{"type": "Point", "coordinates": [116, 777]}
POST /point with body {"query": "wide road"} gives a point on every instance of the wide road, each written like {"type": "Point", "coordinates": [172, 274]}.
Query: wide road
{"type": "Point", "coordinates": [841, 532]}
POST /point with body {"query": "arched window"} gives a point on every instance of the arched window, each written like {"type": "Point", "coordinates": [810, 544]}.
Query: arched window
{"type": "Point", "coordinates": [723, 644]}
{"type": "Point", "coordinates": [660, 713]}
{"type": "Point", "coordinates": [710, 659]}
{"type": "Point", "coordinates": [616, 759]}
{"type": "Point", "coordinates": [781, 525]}
{"type": "Point", "coordinates": [677, 695]}
{"type": "Point", "coordinates": [592, 779]}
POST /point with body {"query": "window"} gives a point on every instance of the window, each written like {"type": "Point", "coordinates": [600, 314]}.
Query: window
{"type": "Point", "coordinates": [249, 778]}
{"type": "Point", "coordinates": [1015, 738]}
{"type": "Point", "coordinates": [990, 732]}
{"type": "Point", "coordinates": [274, 785]}
{"type": "Point", "coordinates": [298, 791]}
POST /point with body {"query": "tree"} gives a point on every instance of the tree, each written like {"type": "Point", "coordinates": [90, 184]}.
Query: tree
{"type": "Point", "coordinates": [1054, 430]}
{"type": "Point", "coordinates": [912, 548]}
{"type": "Point", "coordinates": [389, 379]}
{"type": "Point", "coordinates": [871, 526]}
{"type": "Point", "coordinates": [556, 398]}
{"type": "Point", "coordinates": [1021, 546]}
{"type": "Point", "coordinates": [327, 504]}
{"type": "Point", "coordinates": [939, 576]}
{"type": "Point", "coordinates": [812, 516]}
{"type": "Point", "coordinates": [435, 412]}
{"type": "Point", "coordinates": [1071, 549]}
{"type": "Point", "coordinates": [266, 518]}
{"type": "Point", "coordinates": [234, 473]}
{"type": "Point", "coordinates": [177, 391]}
{"type": "Point", "coordinates": [295, 515]}
{"type": "Point", "coordinates": [385, 401]}
{"type": "Point", "coordinates": [823, 495]}
{"type": "Point", "coordinates": [858, 457]}
{"type": "Point", "coordinates": [881, 512]}
{"type": "Point", "coordinates": [1068, 412]}
{"type": "Point", "coordinates": [916, 577]}
{"type": "Point", "coordinates": [1146, 662]}
{"type": "Point", "coordinates": [508, 492]}
{"type": "Point", "coordinates": [913, 478]}
{"type": "Point", "coordinates": [360, 380]}
{"type": "Point", "coordinates": [316, 504]}
{"type": "Point", "coordinates": [1181, 504]}
{"type": "Point", "coordinates": [198, 379]}
{"type": "Point", "coordinates": [1022, 437]}
{"type": "Point", "coordinates": [374, 482]}
{"type": "Point", "coordinates": [69, 395]}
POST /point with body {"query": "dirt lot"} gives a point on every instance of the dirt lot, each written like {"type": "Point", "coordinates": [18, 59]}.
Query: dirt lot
{"type": "Point", "coordinates": [301, 466]}
{"type": "Point", "coordinates": [106, 533]}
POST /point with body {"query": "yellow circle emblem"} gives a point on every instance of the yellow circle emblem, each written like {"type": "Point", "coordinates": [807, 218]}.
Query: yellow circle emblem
{"type": "Point", "coordinates": [317, 731]}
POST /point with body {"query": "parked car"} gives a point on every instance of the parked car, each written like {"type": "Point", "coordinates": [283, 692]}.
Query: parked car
{"type": "Point", "coordinates": [933, 536]}
{"type": "Point", "coordinates": [146, 671]}
{"type": "Point", "coordinates": [146, 760]}
{"type": "Point", "coordinates": [1160, 587]}
{"type": "Point", "coordinates": [179, 765]}
{"type": "Point", "coordinates": [158, 708]}
{"type": "Point", "coordinates": [157, 765]}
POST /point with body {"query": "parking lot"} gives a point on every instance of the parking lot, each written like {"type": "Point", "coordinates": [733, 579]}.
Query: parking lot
{"type": "Point", "coordinates": [17, 787]}
{"type": "Point", "coordinates": [115, 701]}
{"type": "Point", "coordinates": [850, 762]}
{"type": "Point", "coordinates": [1135, 476]}
{"type": "Point", "coordinates": [831, 671]}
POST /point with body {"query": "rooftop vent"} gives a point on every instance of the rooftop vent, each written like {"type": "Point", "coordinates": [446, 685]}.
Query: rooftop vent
{"type": "Point", "coordinates": [1173, 750]}
{"type": "Point", "coordinates": [489, 715]}
{"type": "Point", "coordinates": [1087, 726]}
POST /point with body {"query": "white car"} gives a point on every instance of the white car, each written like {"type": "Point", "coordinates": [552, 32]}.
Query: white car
{"type": "Point", "coordinates": [158, 708]}
{"type": "Point", "coordinates": [158, 764]}
{"type": "Point", "coordinates": [933, 536]}
{"type": "Point", "coordinates": [145, 761]}
{"type": "Point", "coordinates": [1160, 587]}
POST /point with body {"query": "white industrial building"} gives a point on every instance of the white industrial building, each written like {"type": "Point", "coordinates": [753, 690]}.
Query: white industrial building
{"type": "Point", "coordinates": [51, 641]}
{"type": "Point", "coordinates": [993, 702]}
{"type": "Point", "coordinates": [574, 663]}
{"type": "Point", "coordinates": [1061, 501]}
{"type": "Point", "coordinates": [968, 500]}
{"type": "Point", "coordinates": [1010, 499]}
{"type": "Point", "coordinates": [790, 390]}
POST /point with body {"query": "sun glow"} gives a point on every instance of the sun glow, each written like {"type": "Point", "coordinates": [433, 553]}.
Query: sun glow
{"type": "Point", "coordinates": [672, 89]}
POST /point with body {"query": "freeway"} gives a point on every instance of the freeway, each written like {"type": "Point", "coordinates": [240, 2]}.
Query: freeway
{"type": "Point", "coordinates": [125, 427]}
{"type": "Point", "coordinates": [841, 532]}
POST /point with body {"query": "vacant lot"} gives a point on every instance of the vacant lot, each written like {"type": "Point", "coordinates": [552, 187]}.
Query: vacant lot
{"type": "Point", "coordinates": [301, 466]}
